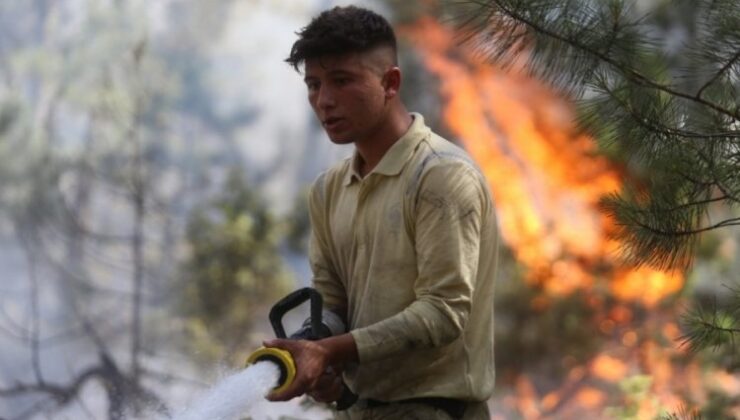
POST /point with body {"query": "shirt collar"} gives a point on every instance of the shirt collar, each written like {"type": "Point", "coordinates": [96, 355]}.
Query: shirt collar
{"type": "Point", "coordinates": [396, 157]}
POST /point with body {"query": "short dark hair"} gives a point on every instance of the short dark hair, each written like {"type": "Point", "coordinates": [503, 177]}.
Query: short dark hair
{"type": "Point", "coordinates": [340, 31]}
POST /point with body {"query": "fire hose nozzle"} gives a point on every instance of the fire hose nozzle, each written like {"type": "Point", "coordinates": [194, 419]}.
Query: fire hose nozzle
{"type": "Point", "coordinates": [282, 359]}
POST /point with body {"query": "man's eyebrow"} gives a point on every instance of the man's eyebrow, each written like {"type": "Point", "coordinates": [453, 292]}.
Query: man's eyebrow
{"type": "Point", "coordinates": [340, 72]}
{"type": "Point", "coordinates": [337, 72]}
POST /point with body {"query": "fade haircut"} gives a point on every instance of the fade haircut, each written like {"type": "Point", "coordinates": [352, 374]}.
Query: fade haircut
{"type": "Point", "coordinates": [339, 31]}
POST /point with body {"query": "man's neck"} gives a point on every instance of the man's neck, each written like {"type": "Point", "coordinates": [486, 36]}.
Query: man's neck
{"type": "Point", "coordinates": [372, 150]}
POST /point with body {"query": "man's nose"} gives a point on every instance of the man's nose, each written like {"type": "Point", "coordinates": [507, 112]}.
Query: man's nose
{"type": "Point", "coordinates": [325, 98]}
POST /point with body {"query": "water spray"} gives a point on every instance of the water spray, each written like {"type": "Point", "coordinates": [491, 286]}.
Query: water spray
{"type": "Point", "coordinates": [235, 394]}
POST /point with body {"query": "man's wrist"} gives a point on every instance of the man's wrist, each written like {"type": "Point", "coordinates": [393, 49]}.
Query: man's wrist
{"type": "Point", "coordinates": [341, 349]}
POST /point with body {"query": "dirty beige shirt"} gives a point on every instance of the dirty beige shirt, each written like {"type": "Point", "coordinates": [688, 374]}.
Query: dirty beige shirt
{"type": "Point", "coordinates": [409, 253]}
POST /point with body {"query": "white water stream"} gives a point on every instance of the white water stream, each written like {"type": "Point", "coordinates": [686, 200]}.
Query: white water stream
{"type": "Point", "coordinates": [232, 397]}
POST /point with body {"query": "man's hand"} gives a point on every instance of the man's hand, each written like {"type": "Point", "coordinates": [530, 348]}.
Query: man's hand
{"type": "Point", "coordinates": [329, 387]}
{"type": "Point", "coordinates": [312, 358]}
{"type": "Point", "coordinates": [311, 361]}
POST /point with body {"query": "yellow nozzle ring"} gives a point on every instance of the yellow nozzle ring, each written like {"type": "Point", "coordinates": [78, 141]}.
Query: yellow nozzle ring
{"type": "Point", "coordinates": [280, 357]}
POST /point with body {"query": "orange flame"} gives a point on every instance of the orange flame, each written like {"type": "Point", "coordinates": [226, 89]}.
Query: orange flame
{"type": "Point", "coordinates": [546, 177]}
{"type": "Point", "coordinates": [609, 368]}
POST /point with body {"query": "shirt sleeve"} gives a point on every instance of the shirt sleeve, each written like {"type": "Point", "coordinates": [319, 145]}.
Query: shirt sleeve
{"type": "Point", "coordinates": [325, 278]}
{"type": "Point", "coordinates": [451, 205]}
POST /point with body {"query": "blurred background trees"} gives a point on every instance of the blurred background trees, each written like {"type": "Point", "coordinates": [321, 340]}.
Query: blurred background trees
{"type": "Point", "coordinates": [233, 272]}
{"type": "Point", "coordinates": [109, 136]}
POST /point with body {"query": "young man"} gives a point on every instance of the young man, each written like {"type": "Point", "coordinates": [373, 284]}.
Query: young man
{"type": "Point", "coordinates": [404, 240]}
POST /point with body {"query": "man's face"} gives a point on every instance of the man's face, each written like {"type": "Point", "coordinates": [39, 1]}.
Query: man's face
{"type": "Point", "coordinates": [347, 94]}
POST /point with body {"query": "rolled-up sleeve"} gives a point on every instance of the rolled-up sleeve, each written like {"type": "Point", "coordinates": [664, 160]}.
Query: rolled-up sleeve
{"type": "Point", "coordinates": [449, 206]}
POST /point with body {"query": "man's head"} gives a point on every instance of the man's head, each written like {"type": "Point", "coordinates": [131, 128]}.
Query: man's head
{"type": "Point", "coordinates": [351, 71]}
{"type": "Point", "coordinates": [341, 31]}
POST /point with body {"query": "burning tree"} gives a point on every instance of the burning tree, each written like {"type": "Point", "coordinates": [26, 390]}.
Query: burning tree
{"type": "Point", "coordinates": [661, 95]}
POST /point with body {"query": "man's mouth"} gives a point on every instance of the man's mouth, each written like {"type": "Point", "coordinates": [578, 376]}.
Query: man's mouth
{"type": "Point", "coordinates": [332, 122]}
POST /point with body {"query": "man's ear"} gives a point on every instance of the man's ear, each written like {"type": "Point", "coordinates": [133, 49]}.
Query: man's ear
{"type": "Point", "coordinates": [392, 82]}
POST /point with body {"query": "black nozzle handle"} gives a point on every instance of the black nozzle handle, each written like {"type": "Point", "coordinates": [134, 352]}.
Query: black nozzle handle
{"type": "Point", "coordinates": [290, 302]}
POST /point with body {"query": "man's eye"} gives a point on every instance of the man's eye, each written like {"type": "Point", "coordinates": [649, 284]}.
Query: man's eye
{"type": "Point", "coordinates": [312, 86]}
{"type": "Point", "coordinates": [341, 81]}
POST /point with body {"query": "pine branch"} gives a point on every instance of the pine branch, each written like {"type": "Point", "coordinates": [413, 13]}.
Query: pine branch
{"type": "Point", "coordinates": [687, 232]}
{"type": "Point", "coordinates": [687, 205]}
{"type": "Point", "coordinates": [629, 73]}
{"type": "Point", "coordinates": [656, 235]}
{"type": "Point", "coordinates": [724, 191]}
{"type": "Point", "coordinates": [655, 126]}
{"type": "Point", "coordinates": [707, 329]}
{"type": "Point", "coordinates": [699, 183]}
{"type": "Point", "coordinates": [721, 71]}
{"type": "Point", "coordinates": [684, 413]}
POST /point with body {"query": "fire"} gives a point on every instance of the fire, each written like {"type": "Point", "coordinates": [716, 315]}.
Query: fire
{"type": "Point", "coordinates": [609, 368]}
{"type": "Point", "coordinates": [590, 397]}
{"type": "Point", "coordinates": [545, 176]}
{"type": "Point", "coordinates": [547, 180]}
{"type": "Point", "coordinates": [645, 284]}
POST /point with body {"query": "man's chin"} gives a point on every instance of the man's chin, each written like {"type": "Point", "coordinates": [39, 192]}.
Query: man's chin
{"type": "Point", "coordinates": [340, 139]}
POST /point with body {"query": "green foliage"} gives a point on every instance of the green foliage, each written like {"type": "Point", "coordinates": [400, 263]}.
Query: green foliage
{"type": "Point", "coordinates": [8, 118]}
{"type": "Point", "coordinates": [715, 325]}
{"type": "Point", "coordinates": [720, 406]}
{"type": "Point", "coordinates": [635, 391]}
{"type": "Point", "coordinates": [299, 225]}
{"type": "Point", "coordinates": [8, 114]}
{"type": "Point", "coordinates": [233, 271]}
{"type": "Point", "coordinates": [683, 414]}
{"type": "Point", "coordinates": [29, 174]}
